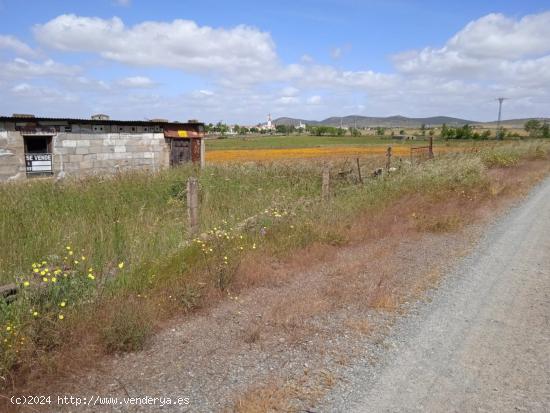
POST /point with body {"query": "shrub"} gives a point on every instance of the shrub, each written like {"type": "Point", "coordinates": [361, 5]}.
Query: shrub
{"type": "Point", "coordinates": [127, 326]}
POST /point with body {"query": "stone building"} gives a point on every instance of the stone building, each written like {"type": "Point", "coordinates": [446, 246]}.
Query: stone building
{"type": "Point", "coordinates": [32, 146]}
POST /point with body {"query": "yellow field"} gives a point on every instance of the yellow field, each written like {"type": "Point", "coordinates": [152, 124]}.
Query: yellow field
{"type": "Point", "coordinates": [300, 153]}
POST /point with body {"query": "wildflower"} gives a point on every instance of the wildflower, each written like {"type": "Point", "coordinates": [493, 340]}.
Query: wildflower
{"type": "Point", "coordinates": [54, 279]}
{"type": "Point", "coordinates": [292, 227]}
{"type": "Point", "coordinates": [36, 270]}
{"type": "Point", "coordinates": [45, 279]}
{"type": "Point", "coordinates": [61, 316]}
{"type": "Point", "coordinates": [121, 265]}
{"type": "Point", "coordinates": [26, 284]}
{"type": "Point", "coordinates": [71, 253]}
{"type": "Point", "coordinates": [8, 328]}
{"type": "Point", "coordinates": [254, 246]}
{"type": "Point", "coordinates": [83, 258]}
{"type": "Point", "coordinates": [35, 313]}
{"type": "Point", "coordinates": [225, 258]}
{"type": "Point", "coordinates": [42, 272]}
{"type": "Point", "coordinates": [62, 304]}
{"type": "Point", "coordinates": [34, 264]}
{"type": "Point", "coordinates": [44, 262]}
{"type": "Point", "coordinates": [68, 248]}
{"type": "Point", "coordinates": [91, 277]}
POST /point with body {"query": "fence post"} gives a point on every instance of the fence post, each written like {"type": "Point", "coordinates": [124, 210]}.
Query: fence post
{"type": "Point", "coordinates": [431, 150]}
{"type": "Point", "coordinates": [193, 204]}
{"type": "Point", "coordinates": [388, 158]}
{"type": "Point", "coordinates": [203, 154]}
{"type": "Point", "coordinates": [359, 171]}
{"type": "Point", "coordinates": [326, 182]}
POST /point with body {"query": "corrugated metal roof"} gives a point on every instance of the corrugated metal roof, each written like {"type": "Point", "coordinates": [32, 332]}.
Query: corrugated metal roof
{"type": "Point", "coordinates": [95, 121]}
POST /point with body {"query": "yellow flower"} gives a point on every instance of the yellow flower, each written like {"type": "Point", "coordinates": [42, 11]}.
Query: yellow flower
{"type": "Point", "coordinates": [225, 258]}
{"type": "Point", "coordinates": [35, 313]}
{"type": "Point", "coordinates": [71, 253]}
{"type": "Point", "coordinates": [91, 277]}
{"type": "Point", "coordinates": [45, 279]}
{"type": "Point", "coordinates": [36, 270]}
{"type": "Point", "coordinates": [34, 264]}
{"type": "Point", "coordinates": [44, 262]}
{"type": "Point", "coordinates": [62, 304]}
{"type": "Point", "coordinates": [8, 328]}
{"type": "Point", "coordinates": [26, 284]}
{"type": "Point", "coordinates": [120, 265]}
{"type": "Point", "coordinates": [54, 279]}
{"type": "Point", "coordinates": [75, 261]}
{"type": "Point", "coordinates": [61, 316]}
{"type": "Point", "coordinates": [83, 258]}
{"type": "Point", "coordinates": [42, 272]}
{"type": "Point", "coordinates": [254, 246]}
{"type": "Point", "coordinates": [68, 248]}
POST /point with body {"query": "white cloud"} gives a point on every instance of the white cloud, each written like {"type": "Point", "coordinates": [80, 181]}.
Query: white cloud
{"type": "Point", "coordinates": [482, 47]}
{"type": "Point", "coordinates": [136, 82]}
{"type": "Point", "coordinates": [314, 100]}
{"type": "Point", "coordinates": [42, 93]}
{"type": "Point", "coordinates": [124, 3]}
{"type": "Point", "coordinates": [24, 69]}
{"type": "Point", "coordinates": [180, 44]}
{"type": "Point", "coordinates": [19, 47]}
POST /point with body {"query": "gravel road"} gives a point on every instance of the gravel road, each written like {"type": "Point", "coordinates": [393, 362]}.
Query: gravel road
{"type": "Point", "coordinates": [481, 342]}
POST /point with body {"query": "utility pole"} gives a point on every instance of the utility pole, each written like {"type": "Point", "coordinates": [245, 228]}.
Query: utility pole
{"type": "Point", "coordinates": [499, 132]}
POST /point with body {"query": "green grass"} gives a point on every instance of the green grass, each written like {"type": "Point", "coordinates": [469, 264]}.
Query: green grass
{"type": "Point", "coordinates": [307, 141]}
{"type": "Point", "coordinates": [294, 141]}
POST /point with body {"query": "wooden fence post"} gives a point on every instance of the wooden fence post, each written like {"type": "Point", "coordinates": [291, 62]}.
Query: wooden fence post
{"type": "Point", "coordinates": [193, 204]}
{"type": "Point", "coordinates": [326, 182]}
{"type": "Point", "coordinates": [388, 158]}
{"type": "Point", "coordinates": [431, 149]}
{"type": "Point", "coordinates": [203, 154]}
{"type": "Point", "coordinates": [359, 171]}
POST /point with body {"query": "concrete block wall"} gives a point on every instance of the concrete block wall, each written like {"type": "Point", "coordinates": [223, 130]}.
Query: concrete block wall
{"type": "Point", "coordinates": [104, 153]}
{"type": "Point", "coordinates": [12, 156]}
{"type": "Point", "coordinates": [79, 154]}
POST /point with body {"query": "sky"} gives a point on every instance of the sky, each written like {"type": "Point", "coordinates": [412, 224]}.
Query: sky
{"type": "Point", "coordinates": [238, 61]}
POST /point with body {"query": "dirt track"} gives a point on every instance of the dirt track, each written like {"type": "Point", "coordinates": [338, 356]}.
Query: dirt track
{"type": "Point", "coordinates": [483, 342]}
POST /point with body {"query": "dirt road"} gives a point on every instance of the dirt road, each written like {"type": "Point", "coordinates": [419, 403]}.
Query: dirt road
{"type": "Point", "coordinates": [482, 343]}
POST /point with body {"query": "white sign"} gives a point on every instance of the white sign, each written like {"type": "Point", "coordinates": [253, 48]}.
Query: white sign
{"type": "Point", "coordinates": [39, 162]}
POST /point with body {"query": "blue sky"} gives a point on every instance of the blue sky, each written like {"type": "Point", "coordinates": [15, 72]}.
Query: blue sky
{"type": "Point", "coordinates": [237, 61]}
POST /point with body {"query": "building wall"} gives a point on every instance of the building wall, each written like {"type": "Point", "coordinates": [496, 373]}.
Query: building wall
{"type": "Point", "coordinates": [12, 156]}
{"type": "Point", "coordinates": [79, 154]}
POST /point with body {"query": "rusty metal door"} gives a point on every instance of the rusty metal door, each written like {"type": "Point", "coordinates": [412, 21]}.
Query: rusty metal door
{"type": "Point", "coordinates": [195, 150]}
{"type": "Point", "coordinates": [179, 152]}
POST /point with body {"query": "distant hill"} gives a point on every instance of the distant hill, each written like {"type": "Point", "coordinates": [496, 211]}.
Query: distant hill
{"type": "Point", "coordinates": [394, 121]}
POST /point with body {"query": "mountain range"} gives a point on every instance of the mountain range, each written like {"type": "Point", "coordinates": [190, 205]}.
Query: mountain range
{"type": "Point", "coordinates": [395, 121]}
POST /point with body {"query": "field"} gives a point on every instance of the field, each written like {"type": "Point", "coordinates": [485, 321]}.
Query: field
{"type": "Point", "coordinates": [265, 148]}
{"type": "Point", "coordinates": [104, 262]}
